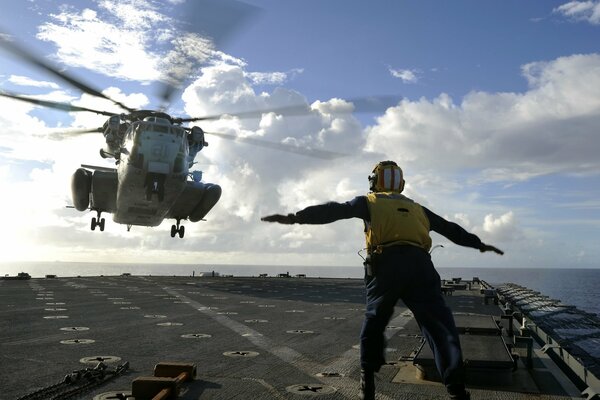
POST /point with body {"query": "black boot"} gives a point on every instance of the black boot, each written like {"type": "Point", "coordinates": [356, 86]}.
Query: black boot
{"type": "Point", "coordinates": [464, 396]}
{"type": "Point", "coordinates": [458, 392]}
{"type": "Point", "coordinates": [367, 384]}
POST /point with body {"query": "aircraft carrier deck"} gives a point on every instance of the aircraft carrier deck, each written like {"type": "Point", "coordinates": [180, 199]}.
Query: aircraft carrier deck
{"type": "Point", "coordinates": [274, 338]}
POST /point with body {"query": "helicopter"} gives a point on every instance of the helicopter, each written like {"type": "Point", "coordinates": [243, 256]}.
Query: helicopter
{"type": "Point", "coordinates": [152, 179]}
{"type": "Point", "coordinates": [154, 153]}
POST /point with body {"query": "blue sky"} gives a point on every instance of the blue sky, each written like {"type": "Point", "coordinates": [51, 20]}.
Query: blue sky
{"type": "Point", "coordinates": [452, 47]}
{"type": "Point", "coordinates": [496, 129]}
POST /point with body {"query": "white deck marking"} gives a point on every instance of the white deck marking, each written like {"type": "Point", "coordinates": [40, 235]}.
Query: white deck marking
{"type": "Point", "coordinates": [346, 386]}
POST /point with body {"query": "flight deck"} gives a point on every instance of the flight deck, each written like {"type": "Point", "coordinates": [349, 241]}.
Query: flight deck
{"type": "Point", "coordinates": [272, 338]}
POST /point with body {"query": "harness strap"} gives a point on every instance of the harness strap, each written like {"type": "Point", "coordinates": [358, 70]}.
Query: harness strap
{"type": "Point", "coordinates": [380, 247]}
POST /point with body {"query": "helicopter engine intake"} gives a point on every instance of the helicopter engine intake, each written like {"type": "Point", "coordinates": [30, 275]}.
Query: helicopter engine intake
{"type": "Point", "coordinates": [196, 143]}
{"type": "Point", "coordinates": [113, 131]}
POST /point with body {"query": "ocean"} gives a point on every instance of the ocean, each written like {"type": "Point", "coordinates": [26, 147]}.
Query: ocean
{"type": "Point", "coordinates": [578, 287]}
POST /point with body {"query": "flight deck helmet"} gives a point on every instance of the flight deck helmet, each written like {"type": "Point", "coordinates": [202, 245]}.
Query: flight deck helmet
{"type": "Point", "coordinates": [386, 177]}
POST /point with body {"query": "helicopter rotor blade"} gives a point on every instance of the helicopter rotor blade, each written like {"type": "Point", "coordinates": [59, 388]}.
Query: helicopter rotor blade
{"type": "Point", "coordinates": [21, 52]}
{"type": "Point", "coordinates": [71, 133]}
{"type": "Point", "coordinates": [300, 109]}
{"type": "Point", "coordinates": [369, 104]}
{"type": "Point", "coordinates": [305, 151]}
{"type": "Point", "coordinates": [52, 104]}
{"type": "Point", "coordinates": [212, 23]}
{"type": "Point", "coordinates": [80, 131]}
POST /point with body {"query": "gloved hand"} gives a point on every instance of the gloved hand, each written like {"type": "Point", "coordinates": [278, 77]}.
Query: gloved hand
{"type": "Point", "coordinates": [486, 247]}
{"type": "Point", "coordinates": [282, 219]}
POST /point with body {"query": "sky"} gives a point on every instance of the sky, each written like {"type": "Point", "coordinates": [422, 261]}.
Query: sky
{"type": "Point", "coordinates": [495, 123]}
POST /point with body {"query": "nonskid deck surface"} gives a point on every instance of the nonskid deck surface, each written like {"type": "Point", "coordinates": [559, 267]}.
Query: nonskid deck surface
{"type": "Point", "coordinates": [250, 338]}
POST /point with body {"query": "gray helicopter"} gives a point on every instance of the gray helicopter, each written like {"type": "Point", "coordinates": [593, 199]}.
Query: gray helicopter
{"type": "Point", "coordinates": [152, 180]}
{"type": "Point", "coordinates": [154, 153]}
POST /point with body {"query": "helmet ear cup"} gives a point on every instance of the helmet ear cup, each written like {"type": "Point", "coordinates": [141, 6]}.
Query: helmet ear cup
{"type": "Point", "coordinates": [373, 182]}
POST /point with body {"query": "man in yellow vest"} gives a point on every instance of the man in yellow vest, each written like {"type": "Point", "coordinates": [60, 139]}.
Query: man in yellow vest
{"type": "Point", "coordinates": [398, 266]}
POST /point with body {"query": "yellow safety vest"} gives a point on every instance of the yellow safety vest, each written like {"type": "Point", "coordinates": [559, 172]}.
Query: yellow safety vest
{"type": "Point", "coordinates": [395, 219]}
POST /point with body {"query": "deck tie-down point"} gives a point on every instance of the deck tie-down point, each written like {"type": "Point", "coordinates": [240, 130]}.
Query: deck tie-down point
{"type": "Point", "coordinates": [311, 389]}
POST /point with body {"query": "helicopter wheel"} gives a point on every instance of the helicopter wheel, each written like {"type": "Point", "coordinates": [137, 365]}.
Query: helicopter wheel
{"type": "Point", "coordinates": [97, 222]}
{"type": "Point", "coordinates": [178, 229]}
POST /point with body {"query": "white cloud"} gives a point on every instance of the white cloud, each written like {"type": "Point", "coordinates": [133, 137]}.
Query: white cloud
{"type": "Point", "coordinates": [296, 237]}
{"type": "Point", "coordinates": [20, 131]}
{"type": "Point", "coordinates": [133, 13]}
{"type": "Point", "coordinates": [271, 78]}
{"type": "Point", "coordinates": [130, 40]}
{"type": "Point", "coordinates": [406, 75]}
{"type": "Point", "coordinates": [588, 11]}
{"type": "Point", "coordinates": [89, 120]}
{"type": "Point", "coordinates": [551, 128]}
{"type": "Point", "coordinates": [463, 220]}
{"type": "Point", "coordinates": [25, 81]}
{"type": "Point", "coordinates": [259, 181]}
{"type": "Point", "coordinates": [134, 40]}
{"type": "Point", "coordinates": [502, 228]}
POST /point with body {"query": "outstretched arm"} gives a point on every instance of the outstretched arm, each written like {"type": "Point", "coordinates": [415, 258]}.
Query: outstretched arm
{"type": "Point", "coordinates": [487, 247]}
{"type": "Point", "coordinates": [324, 213]}
{"type": "Point", "coordinates": [282, 219]}
{"type": "Point", "coordinates": [457, 234]}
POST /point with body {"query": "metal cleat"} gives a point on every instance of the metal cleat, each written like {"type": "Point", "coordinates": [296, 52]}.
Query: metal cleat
{"type": "Point", "coordinates": [165, 383]}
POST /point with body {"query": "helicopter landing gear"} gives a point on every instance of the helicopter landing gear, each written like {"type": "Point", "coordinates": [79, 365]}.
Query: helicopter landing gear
{"type": "Point", "coordinates": [177, 229]}
{"type": "Point", "coordinates": [98, 222]}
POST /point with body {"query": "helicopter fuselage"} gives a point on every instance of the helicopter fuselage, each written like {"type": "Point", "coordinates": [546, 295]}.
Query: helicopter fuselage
{"type": "Point", "coordinates": [152, 172]}
{"type": "Point", "coordinates": [151, 181]}
{"type": "Point", "coordinates": [153, 153]}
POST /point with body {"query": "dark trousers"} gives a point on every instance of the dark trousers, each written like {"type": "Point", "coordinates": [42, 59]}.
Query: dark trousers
{"type": "Point", "coordinates": [407, 273]}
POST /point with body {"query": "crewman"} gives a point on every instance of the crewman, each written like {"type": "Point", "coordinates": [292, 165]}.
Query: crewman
{"type": "Point", "coordinates": [398, 266]}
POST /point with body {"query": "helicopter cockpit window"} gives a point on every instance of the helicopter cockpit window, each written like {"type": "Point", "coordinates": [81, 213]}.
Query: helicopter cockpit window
{"type": "Point", "coordinates": [160, 128]}
{"type": "Point", "coordinates": [144, 126]}
{"type": "Point", "coordinates": [177, 131]}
